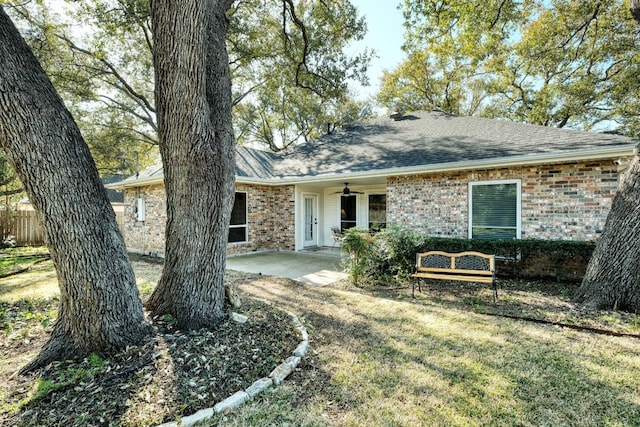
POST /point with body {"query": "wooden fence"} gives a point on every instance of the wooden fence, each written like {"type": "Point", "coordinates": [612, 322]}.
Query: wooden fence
{"type": "Point", "coordinates": [26, 227]}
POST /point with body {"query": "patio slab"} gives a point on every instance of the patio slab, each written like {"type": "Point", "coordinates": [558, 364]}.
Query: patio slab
{"type": "Point", "coordinates": [316, 268]}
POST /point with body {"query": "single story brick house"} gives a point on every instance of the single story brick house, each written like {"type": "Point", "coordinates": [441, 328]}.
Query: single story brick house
{"type": "Point", "coordinates": [440, 174]}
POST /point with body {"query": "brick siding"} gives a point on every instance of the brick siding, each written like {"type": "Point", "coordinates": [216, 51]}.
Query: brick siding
{"type": "Point", "coordinates": [271, 219]}
{"type": "Point", "coordinates": [568, 201]}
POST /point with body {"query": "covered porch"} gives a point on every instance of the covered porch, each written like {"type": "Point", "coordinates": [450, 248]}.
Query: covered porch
{"type": "Point", "coordinates": [323, 205]}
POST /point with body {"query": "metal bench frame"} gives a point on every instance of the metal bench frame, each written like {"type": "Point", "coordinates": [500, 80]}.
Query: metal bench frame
{"type": "Point", "coordinates": [462, 266]}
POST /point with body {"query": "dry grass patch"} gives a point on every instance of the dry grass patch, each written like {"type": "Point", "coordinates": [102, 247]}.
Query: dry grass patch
{"type": "Point", "coordinates": [377, 358]}
{"type": "Point", "coordinates": [389, 360]}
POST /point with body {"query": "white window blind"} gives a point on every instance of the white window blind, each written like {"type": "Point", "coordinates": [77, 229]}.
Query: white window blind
{"type": "Point", "coordinates": [495, 210]}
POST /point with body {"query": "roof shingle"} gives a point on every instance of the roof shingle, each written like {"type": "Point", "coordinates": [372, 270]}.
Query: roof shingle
{"type": "Point", "coordinates": [421, 139]}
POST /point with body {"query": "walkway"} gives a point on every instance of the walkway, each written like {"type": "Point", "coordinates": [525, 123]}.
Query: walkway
{"type": "Point", "coordinates": [320, 267]}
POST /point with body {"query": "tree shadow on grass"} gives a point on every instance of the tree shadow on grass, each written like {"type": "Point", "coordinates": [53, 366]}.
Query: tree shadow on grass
{"type": "Point", "coordinates": [399, 361]}
{"type": "Point", "coordinates": [527, 300]}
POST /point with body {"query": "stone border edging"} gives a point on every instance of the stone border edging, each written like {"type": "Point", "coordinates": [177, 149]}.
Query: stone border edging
{"type": "Point", "coordinates": [275, 378]}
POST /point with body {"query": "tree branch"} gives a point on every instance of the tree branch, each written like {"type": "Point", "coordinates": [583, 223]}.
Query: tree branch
{"type": "Point", "coordinates": [302, 64]}
{"type": "Point", "coordinates": [113, 71]}
{"type": "Point", "coordinates": [125, 108]}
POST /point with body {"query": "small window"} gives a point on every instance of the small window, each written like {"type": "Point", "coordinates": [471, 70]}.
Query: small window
{"type": "Point", "coordinates": [238, 224]}
{"type": "Point", "coordinates": [377, 212]}
{"type": "Point", "coordinates": [494, 210]}
{"type": "Point", "coordinates": [140, 210]}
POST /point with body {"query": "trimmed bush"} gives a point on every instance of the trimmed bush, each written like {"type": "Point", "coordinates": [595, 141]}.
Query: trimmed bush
{"type": "Point", "coordinates": [392, 252]}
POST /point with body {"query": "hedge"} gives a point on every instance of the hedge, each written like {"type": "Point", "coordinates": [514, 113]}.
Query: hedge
{"type": "Point", "coordinates": [393, 251]}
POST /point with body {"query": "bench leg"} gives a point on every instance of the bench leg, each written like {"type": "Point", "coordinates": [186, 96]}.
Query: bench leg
{"type": "Point", "coordinates": [495, 291]}
{"type": "Point", "coordinates": [413, 287]}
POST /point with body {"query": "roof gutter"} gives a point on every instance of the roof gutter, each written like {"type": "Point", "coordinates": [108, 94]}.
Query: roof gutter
{"type": "Point", "coordinates": [536, 159]}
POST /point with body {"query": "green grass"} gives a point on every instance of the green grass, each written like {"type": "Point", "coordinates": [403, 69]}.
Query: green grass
{"type": "Point", "coordinates": [41, 281]}
{"type": "Point", "coordinates": [17, 259]}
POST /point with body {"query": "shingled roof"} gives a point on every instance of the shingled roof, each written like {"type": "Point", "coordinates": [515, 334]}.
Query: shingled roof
{"type": "Point", "coordinates": [431, 139]}
{"type": "Point", "coordinates": [423, 141]}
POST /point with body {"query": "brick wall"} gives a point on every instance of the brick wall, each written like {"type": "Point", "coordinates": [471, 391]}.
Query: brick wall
{"type": "Point", "coordinates": [271, 214]}
{"type": "Point", "coordinates": [271, 219]}
{"type": "Point", "coordinates": [145, 236]}
{"type": "Point", "coordinates": [568, 201]}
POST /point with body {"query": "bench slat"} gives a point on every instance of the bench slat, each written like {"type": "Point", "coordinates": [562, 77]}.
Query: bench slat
{"type": "Point", "coordinates": [453, 271]}
{"type": "Point", "coordinates": [485, 275]}
{"type": "Point", "coordinates": [455, 277]}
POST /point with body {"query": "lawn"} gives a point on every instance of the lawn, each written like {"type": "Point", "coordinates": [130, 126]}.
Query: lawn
{"type": "Point", "coordinates": [449, 357]}
{"type": "Point", "coordinates": [382, 359]}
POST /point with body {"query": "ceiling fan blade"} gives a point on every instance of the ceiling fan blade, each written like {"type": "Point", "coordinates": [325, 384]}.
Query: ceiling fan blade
{"type": "Point", "coordinates": [346, 191]}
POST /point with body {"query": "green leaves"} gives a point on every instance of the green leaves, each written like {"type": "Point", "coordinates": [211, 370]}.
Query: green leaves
{"type": "Point", "coordinates": [288, 64]}
{"type": "Point", "coordinates": [289, 69]}
{"type": "Point", "coordinates": [555, 63]}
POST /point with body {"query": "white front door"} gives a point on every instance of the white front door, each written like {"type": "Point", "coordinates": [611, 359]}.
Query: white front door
{"type": "Point", "coordinates": [310, 220]}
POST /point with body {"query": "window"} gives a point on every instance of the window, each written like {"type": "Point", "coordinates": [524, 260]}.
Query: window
{"type": "Point", "coordinates": [347, 212]}
{"type": "Point", "coordinates": [238, 224]}
{"type": "Point", "coordinates": [494, 209]}
{"type": "Point", "coordinates": [377, 211]}
{"type": "Point", "coordinates": [140, 209]}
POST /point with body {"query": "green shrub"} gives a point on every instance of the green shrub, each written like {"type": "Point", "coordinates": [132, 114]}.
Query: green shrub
{"type": "Point", "coordinates": [357, 243]}
{"type": "Point", "coordinates": [393, 251]}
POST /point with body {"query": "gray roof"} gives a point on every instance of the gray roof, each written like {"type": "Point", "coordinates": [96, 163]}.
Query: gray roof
{"type": "Point", "coordinates": [435, 138]}
{"type": "Point", "coordinates": [421, 140]}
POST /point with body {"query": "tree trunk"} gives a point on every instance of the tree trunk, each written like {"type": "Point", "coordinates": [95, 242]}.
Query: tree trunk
{"type": "Point", "coordinates": [634, 7]}
{"type": "Point", "coordinates": [193, 101]}
{"type": "Point", "coordinates": [100, 308]}
{"type": "Point", "coordinates": [612, 279]}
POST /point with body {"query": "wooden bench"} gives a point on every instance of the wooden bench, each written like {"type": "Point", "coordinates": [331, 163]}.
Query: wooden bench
{"type": "Point", "coordinates": [463, 266]}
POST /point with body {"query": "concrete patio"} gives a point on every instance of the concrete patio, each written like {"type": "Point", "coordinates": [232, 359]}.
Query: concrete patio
{"type": "Point", "coordinates": [319, 267]}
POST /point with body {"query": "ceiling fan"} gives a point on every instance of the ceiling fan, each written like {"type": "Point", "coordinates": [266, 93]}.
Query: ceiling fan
{"type": "Point", "coordinates": [346, 191]}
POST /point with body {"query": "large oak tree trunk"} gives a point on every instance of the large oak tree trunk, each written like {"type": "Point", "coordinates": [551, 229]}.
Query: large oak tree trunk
{"type": "Point", "coordinates": [612, 279]}
{"type": "Point", "coordinates": [100, 308]}
{"type": "Point", "coordinates": [193, 100]}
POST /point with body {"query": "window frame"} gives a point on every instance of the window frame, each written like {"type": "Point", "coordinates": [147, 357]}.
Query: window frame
{"type": "Point", "coordinates": [246, 218]}
{"type": "Point", "coordinates": [351, 223]}
{"type": "Point", "coordinates": [369, 195]}
{"type": "Point", "coordinates": [518, 183]}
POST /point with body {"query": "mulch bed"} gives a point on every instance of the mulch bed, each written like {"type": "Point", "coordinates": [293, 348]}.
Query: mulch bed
{"type": "Point", "coordinates": [172, 374]}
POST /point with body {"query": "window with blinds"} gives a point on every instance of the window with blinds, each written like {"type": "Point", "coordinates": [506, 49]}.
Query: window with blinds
{"type": "Point", "coordinates": [494, 210]}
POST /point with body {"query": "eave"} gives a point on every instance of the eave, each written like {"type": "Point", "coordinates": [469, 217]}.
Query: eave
{"type": "Point", "coordinates": [494, 163]}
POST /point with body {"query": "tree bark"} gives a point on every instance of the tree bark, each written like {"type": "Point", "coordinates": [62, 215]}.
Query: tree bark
{"type": "Point", "coordinates": [612, 279]}
{"type": "Point", "coordinates": [100, 308]}
{"type": "Point", "coordinates": [193, 101]}
{"type": "Point", "coordinates": [634, 7]}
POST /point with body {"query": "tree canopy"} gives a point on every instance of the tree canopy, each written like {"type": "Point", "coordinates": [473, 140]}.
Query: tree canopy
{"type": "Point", "coordinates": [554, 63]}
{"type": "Point", "coordinates": [288, 67]}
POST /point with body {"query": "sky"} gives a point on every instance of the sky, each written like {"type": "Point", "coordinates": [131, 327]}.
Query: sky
{"type": "Point", "coordinates": [385, 34]}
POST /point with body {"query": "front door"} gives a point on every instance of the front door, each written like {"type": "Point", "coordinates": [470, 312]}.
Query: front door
{"type": "Point", "coordinates": [309, 212]}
